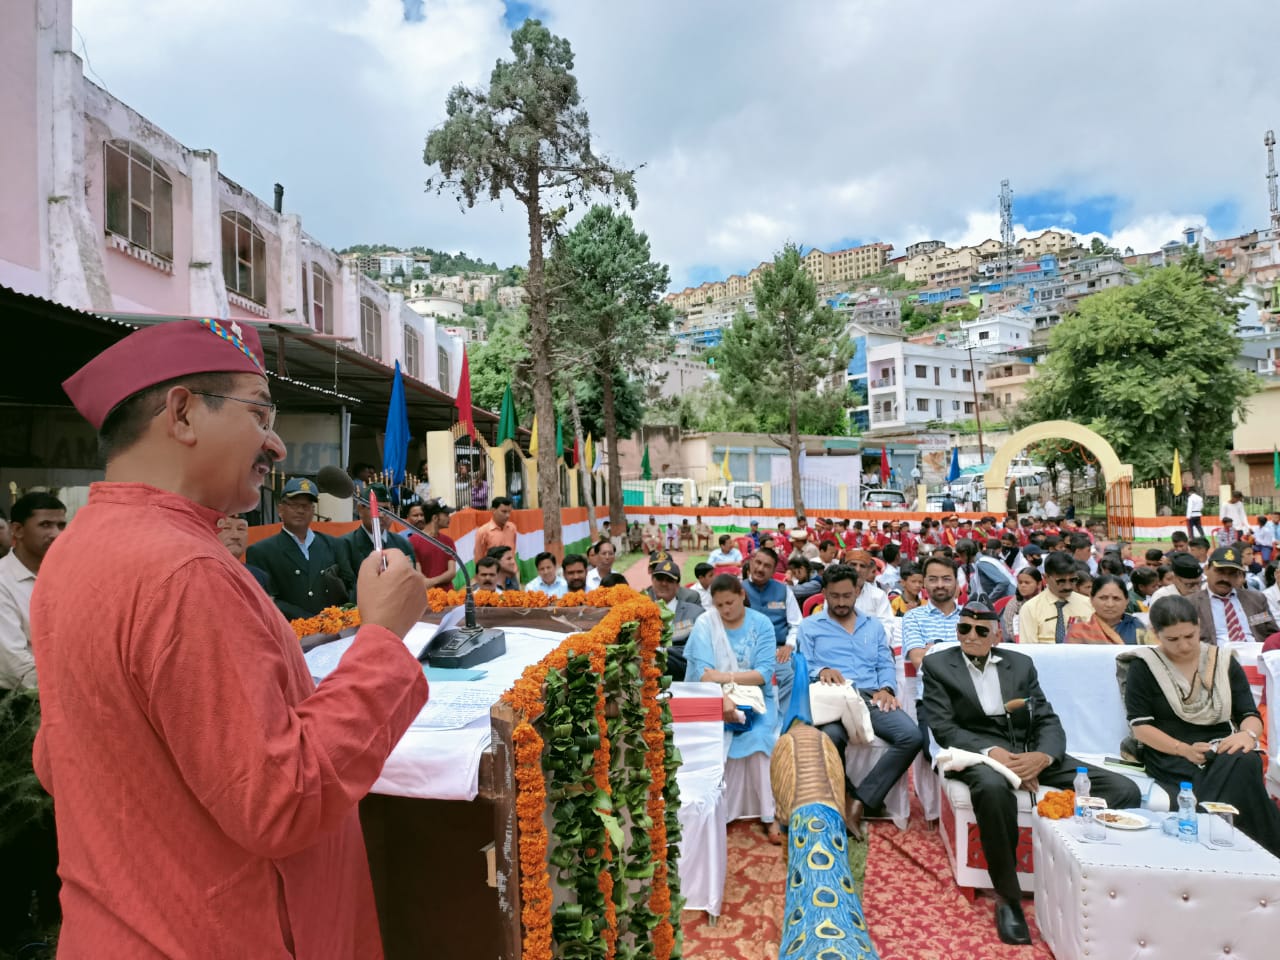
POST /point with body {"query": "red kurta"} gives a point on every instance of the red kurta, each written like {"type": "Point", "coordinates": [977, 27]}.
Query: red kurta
{"type": "Point", "coordinates": [205, 790]}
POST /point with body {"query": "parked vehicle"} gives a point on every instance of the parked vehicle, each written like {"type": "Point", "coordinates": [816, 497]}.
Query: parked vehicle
{"type": "Point", "coordinates": [736, 494]}
{"type": "Point", "coordinates": [880, 498]}
{"type": "Point", "coordinates": [675, 492]}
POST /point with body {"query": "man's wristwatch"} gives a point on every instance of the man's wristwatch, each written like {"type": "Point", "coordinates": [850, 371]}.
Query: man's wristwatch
{"type": "Point", "coordinates": [888, 690]}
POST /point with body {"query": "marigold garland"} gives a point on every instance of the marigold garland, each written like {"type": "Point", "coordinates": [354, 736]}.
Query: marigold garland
{"type": "Point", "coordinates": [526, 697]}
{"type": "Point", "coordinates": [535, 881]}
{"type": "Point", "coordinates": [1057, 805]}
{"type": "Point", "coordinates": [328, 620]}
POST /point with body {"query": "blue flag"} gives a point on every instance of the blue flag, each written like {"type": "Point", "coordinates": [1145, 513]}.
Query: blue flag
{"type": "Point", "coordinates": [954, 473]}
{"type": "Point", "coordinates": [395, 445]}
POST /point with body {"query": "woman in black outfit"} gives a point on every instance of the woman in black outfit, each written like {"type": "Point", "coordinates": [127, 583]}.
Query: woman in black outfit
{"type": "Point", "coordinates": [1183, 695]}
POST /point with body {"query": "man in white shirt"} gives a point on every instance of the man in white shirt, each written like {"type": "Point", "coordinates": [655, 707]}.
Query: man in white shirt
{"type": "Point", "coordinates": [1264, 540]}
{"type": "Point", "coordinates": [548, 580]}
{"type": "Point", "coordinates": [1050, 508]}
{"type": "Point", "coordinates": [605, 554]}
{"type": "Point", "coordinates": [1235, 510]}
{"type": "Point", "coordinates": [37, 519]}
{"type": "Point", "coordinates": [1195, 511]}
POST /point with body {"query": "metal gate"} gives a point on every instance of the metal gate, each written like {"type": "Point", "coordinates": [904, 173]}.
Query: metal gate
{"type": "Point", "coordinates": [1120, 510]}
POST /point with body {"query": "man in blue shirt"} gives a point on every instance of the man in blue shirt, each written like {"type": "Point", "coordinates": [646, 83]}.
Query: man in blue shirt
{"type": "Point", "coordinates": [930, 623]}
{"type": "Point", "coordinates": [775, 600]}
{"type": "Point", "coordinates": [839, 646]}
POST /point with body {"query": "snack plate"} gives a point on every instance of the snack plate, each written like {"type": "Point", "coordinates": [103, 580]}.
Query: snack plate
{"type": "Point", "coordinates": [1118, 820]}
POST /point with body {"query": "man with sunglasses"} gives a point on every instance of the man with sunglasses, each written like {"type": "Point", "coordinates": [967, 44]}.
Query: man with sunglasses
{"type": "Point", "coordinates": [992, 704]}
{"type": "Point", "coordinates": [1047, 616]}
{"type": "Point", "coordinates": [205, 790]}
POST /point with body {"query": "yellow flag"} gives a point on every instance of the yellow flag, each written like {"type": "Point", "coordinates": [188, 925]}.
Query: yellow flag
{"type": "Point", "coordinates": [1177, 475]}
{"type": "Point", "coordinates": [724, 467]}
{"type": "Point", "coordinates": [533, 440]}
{"type": "Point", "coordinates": [589, 455]}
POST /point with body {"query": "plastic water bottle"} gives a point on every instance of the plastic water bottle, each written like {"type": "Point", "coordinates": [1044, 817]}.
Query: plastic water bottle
{"type": "Point", "coordinates": [1188, 827]}
{"type": "Point", "coordinates": [1081, 786]}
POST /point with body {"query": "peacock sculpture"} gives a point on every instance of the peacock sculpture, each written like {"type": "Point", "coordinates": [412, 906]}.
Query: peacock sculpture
{"type": "Point", "coordinates": [824, 919]}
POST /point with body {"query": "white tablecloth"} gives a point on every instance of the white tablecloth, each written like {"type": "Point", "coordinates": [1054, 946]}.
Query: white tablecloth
{"type": "Point", "coordinates": [1145, 894]}
{"type": "Point", "coordinates": [445, 764]}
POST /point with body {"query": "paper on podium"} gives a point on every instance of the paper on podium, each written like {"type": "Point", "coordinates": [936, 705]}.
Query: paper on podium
{"type": "Point", "coordinates": [323, 660]}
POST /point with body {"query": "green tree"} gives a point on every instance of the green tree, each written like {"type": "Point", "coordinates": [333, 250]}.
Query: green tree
{"type": "Point", "coordinates": [786, 351]}
{"type": "Point", "coordinates": [607, 317]}
{"type": "Point", "coordinates": [503, 359]}
{"type": "Point", "coordinates": [1098, 247]}
{"type": "Point", "coordinates": [1150, 367]}
{"type": "Point", "coordinates": [528, 135]}
{"type": "Point", "coordinates": [419, 273]}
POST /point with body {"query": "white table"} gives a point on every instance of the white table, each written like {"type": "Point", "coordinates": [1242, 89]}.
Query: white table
{"type": "Point", "coordinates": [1145, 894]}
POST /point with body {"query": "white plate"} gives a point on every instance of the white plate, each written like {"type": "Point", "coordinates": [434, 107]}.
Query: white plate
{"type": "Point", "coordinates": [1128, 821]}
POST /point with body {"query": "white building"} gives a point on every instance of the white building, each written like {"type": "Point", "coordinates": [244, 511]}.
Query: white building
{"type": "Point", "coordinates": [913, 384]}
{"type": "Point", "coordinates": [1005, 332]}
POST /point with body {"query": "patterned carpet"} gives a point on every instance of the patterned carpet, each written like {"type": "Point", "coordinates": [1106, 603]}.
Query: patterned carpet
{"type": "Point", "coordinates": [913, 907]}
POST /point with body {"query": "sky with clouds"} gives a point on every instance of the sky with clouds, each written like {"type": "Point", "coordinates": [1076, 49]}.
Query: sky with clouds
{"type": "Point", "coordinates": [825, 123]}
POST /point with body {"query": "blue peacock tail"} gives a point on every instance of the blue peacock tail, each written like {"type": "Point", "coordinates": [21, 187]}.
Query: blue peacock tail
{"type": "Point", "coordinates": [823, 919]}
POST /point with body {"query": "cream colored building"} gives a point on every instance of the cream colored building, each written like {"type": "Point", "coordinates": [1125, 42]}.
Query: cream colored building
{"type": "Point", "coordinates": [1006, 387]}
{"type": "Point", "coordinates": [1051, 241]}
{"type": "Point", "coordinates": [1253, 442]}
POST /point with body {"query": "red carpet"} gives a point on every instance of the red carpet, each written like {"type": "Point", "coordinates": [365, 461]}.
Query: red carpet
{"type": "Point", "coordinates": [913, 907]}
{"type": "Point", "coordinates": [915, 910]}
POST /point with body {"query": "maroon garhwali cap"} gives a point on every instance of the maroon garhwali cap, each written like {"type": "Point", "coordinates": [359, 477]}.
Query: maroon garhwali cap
{"type": "Point", "coordinates": [152, 355]}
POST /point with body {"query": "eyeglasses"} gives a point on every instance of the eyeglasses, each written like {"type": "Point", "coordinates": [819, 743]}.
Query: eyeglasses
{"type": "Point", "coordinates": [963, 629]}
{"type": "Point", "coordinates": [266, 420]}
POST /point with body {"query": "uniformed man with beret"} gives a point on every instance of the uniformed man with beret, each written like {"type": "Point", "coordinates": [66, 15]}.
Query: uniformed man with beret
{"type": "Point", "coordinates": [665, 574]}
{"type": "Point", "coordinates": [308, 569]}
{"type": "Point", "coordinates": [358, 544]}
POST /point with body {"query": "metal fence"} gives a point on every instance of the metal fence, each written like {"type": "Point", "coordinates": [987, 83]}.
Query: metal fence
{"type": "Point", "coordinates": [817, 495]}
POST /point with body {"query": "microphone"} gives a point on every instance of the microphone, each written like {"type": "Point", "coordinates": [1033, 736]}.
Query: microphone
{"type": "Point", "coordinates": [458, 647]}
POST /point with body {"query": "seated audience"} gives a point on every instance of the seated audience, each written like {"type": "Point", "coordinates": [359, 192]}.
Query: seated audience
{"type": "Point", "coordinates": [702, 534]}
{"type": "Point", "coordinates": [548, 580]}
{"type": "Point", "coordinates": [487, 575]}
{"type": "Point", "coordinates": [508, 574]}
{"type": "Point", "coordinates": [1110, 623]}
{"type": "Point", "coordinates": [702, 575]}
{"type": "Point", "coordinates": [726, 554]}
{"type": "Point", "coordinates": [666, 591]}
{"type": "Point", "coordinates": [574, 566]}
{"type": "Point", "coordinates": [605, 554]}
{"type": "Point", "coordinates": [1029, 581]}
{"type": "Point", "coordinates": [1143, 582]}
{"type": "Point", "coordinates": [732, 645]}
{"type": "Point", "coordinates": [971, 694]}
{"type": "Point", "coordinates": [843, 647]}
{"type": "Point", "coordinates": [1046, 617]}
{"type": "Point", "coordinates": [801, 580]}
{"type": "Point", "coordinates": [613, 580]}
{"type": "Point", "coordinates": [907, 596]}
{"type": "Point", "coordinates": [1227, 612]}
{"type": "Point", "coordinates": [1190, 705]}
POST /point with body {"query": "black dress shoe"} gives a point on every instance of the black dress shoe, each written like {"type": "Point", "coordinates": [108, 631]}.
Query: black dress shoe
{"type": "Point", "coordinates": [1011, 925]}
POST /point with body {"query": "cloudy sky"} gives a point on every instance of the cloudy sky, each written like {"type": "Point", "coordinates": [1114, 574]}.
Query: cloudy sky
{"type": "Point", "coordinates": [826, 123]}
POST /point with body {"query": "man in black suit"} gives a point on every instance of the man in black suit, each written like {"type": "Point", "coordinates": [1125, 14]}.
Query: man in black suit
{"type": "Point", "coordinates": [358, 544]}
{"type": "Point", "coordinates": [306, 570]}
{"type": "Point", "coordinates": [1228, 612]}
{"type": "Point", "coordinates": [990, 703]}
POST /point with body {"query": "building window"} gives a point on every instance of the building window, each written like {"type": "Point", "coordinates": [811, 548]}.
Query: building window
{"type": "Point", "coordinates": [966, 376]}
{"type": "Point", "coordinates": [968, 406]}
{"type": "Point", "coordinates": [922, 372]}
{"type": "Point", "coordinates": [442, 369]}
{"type": "Point", "coordinates": [370, 328]}
{"type": "Point", "coordinates": [984, 335]}
{"type": "Point", "coordinates": [139, 198]}
{"type": "Point", "coordinates": [922, 404]}
{"type": "Point", "coordinates": [412, 353]}
{"type": "Point", "coordinates": [953, 373]}
{"type": "Point", "coordinates": [321, 300]}
{"type": "Point", "coordinates": [955, 404]}
{"type": "Point", "coordinates": [244, 257]}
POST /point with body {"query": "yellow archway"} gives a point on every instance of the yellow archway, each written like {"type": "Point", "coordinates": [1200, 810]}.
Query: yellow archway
{"type": "Point", "coordinates": [1118, 476]}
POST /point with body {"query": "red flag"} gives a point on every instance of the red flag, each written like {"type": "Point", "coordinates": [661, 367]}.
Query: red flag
{"type": "Point", "coordinates": [463, 400]}
{"type": "Point", "coordinates": [577, 451]}
{"type": "Point", "coordinates": [884, 462]}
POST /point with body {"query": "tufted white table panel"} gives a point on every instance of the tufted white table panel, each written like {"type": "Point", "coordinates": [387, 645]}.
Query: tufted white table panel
{"type": "Point", "coordinates": [1149, 896]}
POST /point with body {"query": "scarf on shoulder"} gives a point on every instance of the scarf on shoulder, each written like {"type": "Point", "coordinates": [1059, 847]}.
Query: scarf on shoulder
{"type": "Point", "coordinates": [1205, 699]}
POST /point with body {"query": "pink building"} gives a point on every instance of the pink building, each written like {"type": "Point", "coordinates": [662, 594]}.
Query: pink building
{"type": "Point", "coordinates": [103, 211]}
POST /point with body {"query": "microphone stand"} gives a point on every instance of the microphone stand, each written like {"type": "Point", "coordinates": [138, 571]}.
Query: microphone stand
{"type": "Point", "coordinates": [461, 646]}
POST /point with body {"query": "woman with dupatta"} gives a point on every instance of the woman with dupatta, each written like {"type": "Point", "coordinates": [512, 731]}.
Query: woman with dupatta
{"type": "Point", "coordinates": [1189, 703]}
{"type": "Point", "coordinates": [734, 646]}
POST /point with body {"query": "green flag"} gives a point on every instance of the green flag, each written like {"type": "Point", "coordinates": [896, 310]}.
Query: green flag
{"type": "Point", "coordinates": [1275, 466]}
{"type": "Point", "coordinates": [646, 472]}
{"type": "Point", "coordinates": [559, 439]}
{"type": "Point", "coordinates": [507, 420]}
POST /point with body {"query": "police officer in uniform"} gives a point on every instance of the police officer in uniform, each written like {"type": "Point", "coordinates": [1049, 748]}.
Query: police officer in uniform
{"type": "Point", "coordinates": [665, 573]}
{"type": "Point", "coordinates": [308, 570]}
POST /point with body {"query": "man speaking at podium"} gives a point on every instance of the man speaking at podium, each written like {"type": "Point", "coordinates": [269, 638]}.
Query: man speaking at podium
{"type": "Point", "coordinates": [205, 791]}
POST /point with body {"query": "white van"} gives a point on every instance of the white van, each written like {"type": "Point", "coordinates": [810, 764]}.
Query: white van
{"type": "Point", "coordinates": [736, 494]}
{"type": "Point", "coordinates": [675, 492]}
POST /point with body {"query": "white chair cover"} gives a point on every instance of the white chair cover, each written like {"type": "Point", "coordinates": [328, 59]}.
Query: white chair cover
{"type": "Point", "coordinates": [703, 846]}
